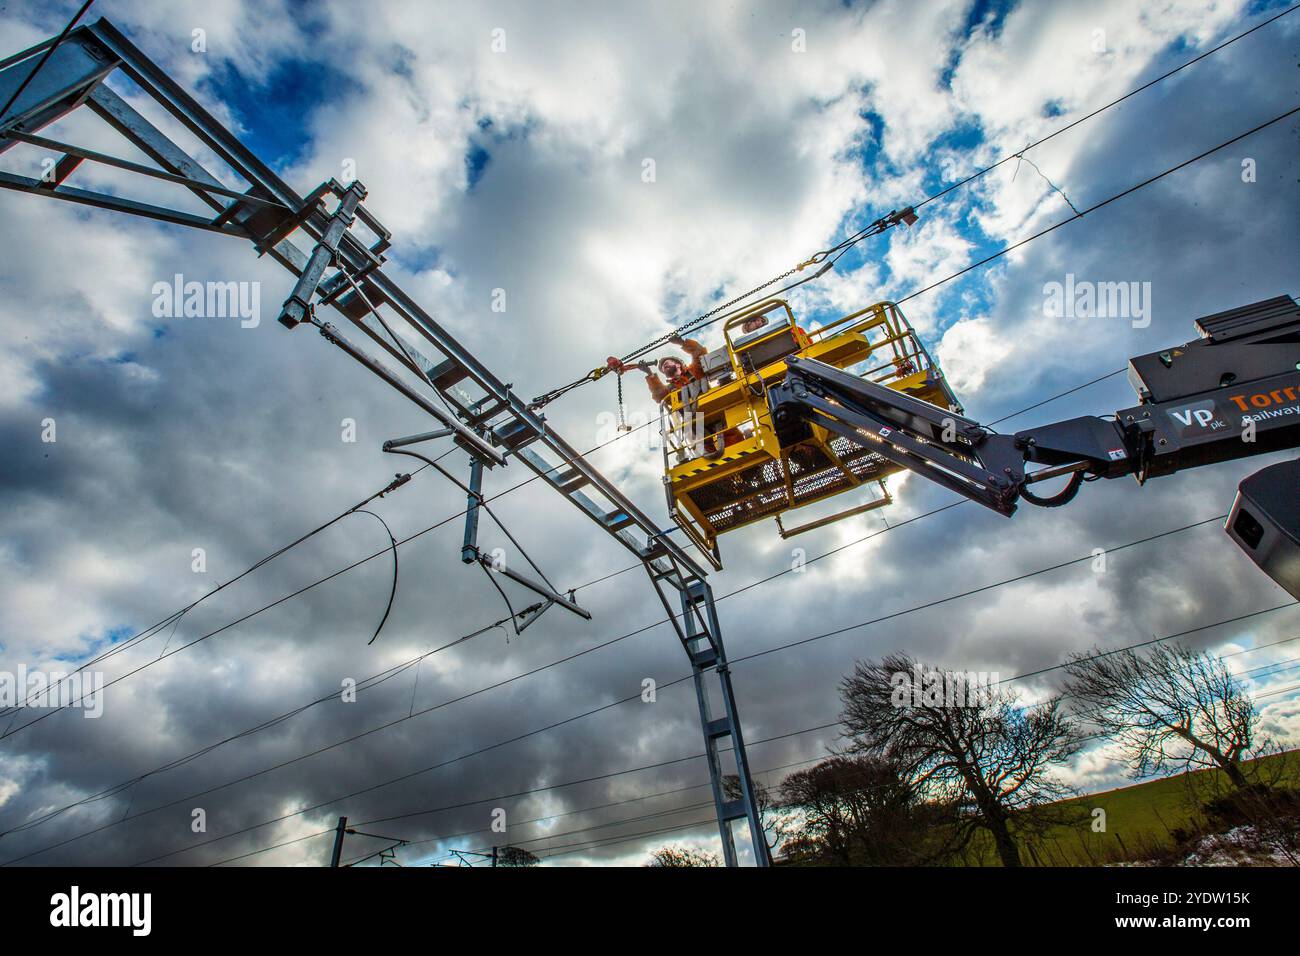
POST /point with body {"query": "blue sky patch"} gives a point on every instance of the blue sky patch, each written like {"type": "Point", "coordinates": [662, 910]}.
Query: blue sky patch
{"type": "Point", "coordinates": [275, 113]}
{"type": "Point", "coordinates": [476, 161]}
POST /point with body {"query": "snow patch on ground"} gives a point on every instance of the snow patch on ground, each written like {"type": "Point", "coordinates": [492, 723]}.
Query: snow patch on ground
{"type": "Point", "coordinates": [1240, 846]}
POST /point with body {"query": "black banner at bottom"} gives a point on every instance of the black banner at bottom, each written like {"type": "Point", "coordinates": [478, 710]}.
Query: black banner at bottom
{"type": "Point", "coordinates": [949, 905]}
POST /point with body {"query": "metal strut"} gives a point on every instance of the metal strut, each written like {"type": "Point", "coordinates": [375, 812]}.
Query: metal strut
{"type": "Point", "coordinates": [468, 402]}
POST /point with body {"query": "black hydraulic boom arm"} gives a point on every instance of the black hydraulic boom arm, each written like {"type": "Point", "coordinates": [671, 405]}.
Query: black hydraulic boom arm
{"type": "Point", "coordinates": [1232, 393]}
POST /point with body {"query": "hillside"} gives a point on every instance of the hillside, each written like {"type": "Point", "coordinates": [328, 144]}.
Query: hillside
{"type": "Point", "coordinates": [1140, 820]}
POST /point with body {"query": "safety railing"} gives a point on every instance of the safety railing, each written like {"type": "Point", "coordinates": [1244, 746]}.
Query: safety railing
{"type": "Point", "coordinates": [684, 437]}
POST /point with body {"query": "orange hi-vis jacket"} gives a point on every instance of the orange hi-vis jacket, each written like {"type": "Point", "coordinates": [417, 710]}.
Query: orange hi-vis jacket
{"type": "Point", "coordinates": [659, 390]}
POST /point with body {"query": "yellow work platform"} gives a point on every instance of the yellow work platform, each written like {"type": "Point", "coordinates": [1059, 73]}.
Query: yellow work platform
{"type": "Point", "coordinates": [725, 468]}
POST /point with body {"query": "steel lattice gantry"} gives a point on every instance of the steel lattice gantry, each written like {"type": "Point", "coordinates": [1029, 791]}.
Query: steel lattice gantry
{"type": "Point", "coordinates": [344, 269]}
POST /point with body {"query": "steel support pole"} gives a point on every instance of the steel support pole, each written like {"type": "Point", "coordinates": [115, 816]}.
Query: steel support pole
{"type": "Point", "coordinates": [695, 620]}
{"type": "Point", "coordinates": [745, 806]}
{"type": "Point", "coordinates": [339, 831]}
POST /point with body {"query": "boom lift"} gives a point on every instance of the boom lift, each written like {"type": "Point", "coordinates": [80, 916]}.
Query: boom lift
{"type": "Point", "coordinates": [725, 466]}
{"type": "Point", "coordinates": [1232, 393]}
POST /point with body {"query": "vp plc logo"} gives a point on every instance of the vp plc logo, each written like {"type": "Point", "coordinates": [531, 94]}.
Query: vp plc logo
{"type": "Point", "coordinates": [1201, 417]}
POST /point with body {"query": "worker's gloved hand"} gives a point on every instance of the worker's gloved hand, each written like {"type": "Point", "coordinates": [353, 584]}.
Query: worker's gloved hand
{"type": "Point", "coordinates": [647, 367]}
{"type": "Point", "coordinates": [676, 339]}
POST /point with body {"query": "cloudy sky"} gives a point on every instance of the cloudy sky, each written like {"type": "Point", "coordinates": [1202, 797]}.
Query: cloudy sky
{"type": "Point", "coordinates": [504, 146]}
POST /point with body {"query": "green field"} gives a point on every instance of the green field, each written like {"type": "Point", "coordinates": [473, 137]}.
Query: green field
{"type": "Point", "coordinates": [1139, 819]}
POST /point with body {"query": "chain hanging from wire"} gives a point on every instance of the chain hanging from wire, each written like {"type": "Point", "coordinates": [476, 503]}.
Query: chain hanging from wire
{"type": "Point", "coordinates": [622, 417]}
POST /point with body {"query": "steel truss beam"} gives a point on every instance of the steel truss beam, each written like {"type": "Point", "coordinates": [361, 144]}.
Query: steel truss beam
{"type": "Point", "coordinates": [492, 426]}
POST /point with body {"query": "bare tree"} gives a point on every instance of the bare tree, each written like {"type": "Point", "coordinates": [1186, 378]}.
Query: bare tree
{"type": "Point", "coordinates": [860, 811]}
{"type": "Point", "coordinates": [965, 745]}
{"type": "Point", "coordinates": [1167, 706]}
{"type": "Point", "coordinates": [671, 856]}
{"type": "Point", "coordinates": [516, 856]}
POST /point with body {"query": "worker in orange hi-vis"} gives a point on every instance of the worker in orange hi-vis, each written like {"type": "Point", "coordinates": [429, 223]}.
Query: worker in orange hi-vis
{"type": "Point", "coordinates": [754, 323]}
{"type": "Point", "coordinates": [675, 372]}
